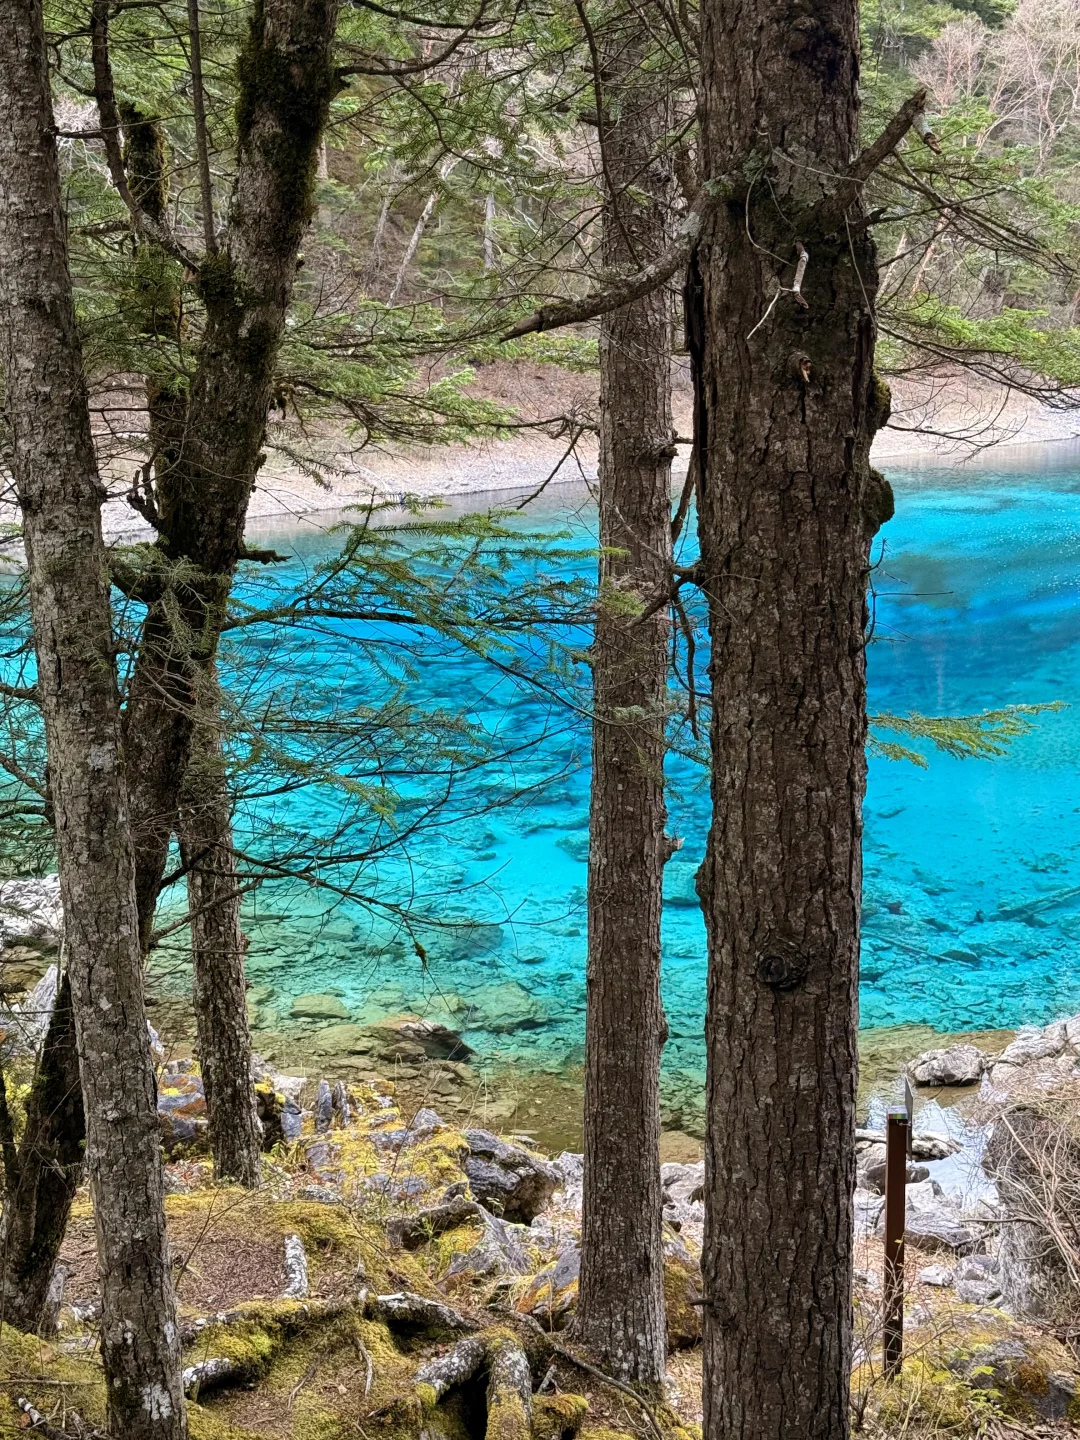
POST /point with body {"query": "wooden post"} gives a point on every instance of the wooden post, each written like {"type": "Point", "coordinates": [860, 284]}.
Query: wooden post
{"type": "Point", "coordinates": [897, 1145]}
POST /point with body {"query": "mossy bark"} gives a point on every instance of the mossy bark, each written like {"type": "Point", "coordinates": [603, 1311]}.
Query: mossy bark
{"type": "Point", "coordinates": [60, 496]}
{"type": "Point", "coordinates": [40, 1186]}
{"type": "Point", "coordinates": [217, 953]}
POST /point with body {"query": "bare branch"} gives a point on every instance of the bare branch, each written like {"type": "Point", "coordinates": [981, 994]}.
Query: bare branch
{"type": "Point", "coordinates": [910, 115]}
{"type": "Point", "coordinates": [618, 290]}
{"type": "Point", "coordinates": [198, 100]}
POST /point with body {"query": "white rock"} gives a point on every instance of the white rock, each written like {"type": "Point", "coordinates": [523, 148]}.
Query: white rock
{"type": "Point", "coordinates": [933, 1145]}
{"type": "Point", "coordinates": [30, 909]}
{"type": "Point", "coordinates": [955, 1065]}
{"type": "Point", "coordinates": [1072, 1031]}
{"type": "Point", "coordinates": [868, 1208]}
{"type": "Point", "coordinates": [935, 1275]}
{"type": "Point", "coordinates": [683, 1184]}
{"type": "Point", "coordinates": [1034, 1045]}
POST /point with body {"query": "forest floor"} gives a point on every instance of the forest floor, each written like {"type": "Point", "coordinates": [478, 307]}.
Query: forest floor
{"type": "Point", "coordinates": [942, 419]}
{"type": "Point", "coordinates": [411, 1284]}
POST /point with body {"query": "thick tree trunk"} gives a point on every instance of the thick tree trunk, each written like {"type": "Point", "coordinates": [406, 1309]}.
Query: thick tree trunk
{"type": "Point", "coordinates": [40, 1182]}
{"type": "Point", "coordinates": [217, 952]}
{"type": "Point", "coordinates": [60, 497]}
{"type": "Point", "coordinates": [286, 84]}
{"type": "Point", "coordinates": [787, 403]}
{"type": "Point", "coordinates": [621, 1306]}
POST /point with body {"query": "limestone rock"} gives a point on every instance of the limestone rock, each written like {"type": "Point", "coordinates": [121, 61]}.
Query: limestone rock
{"type": "Point", "coordinates": [937, 1275]}
{"type": "Point", "coordinates": [935, 1222]}
{"type": "Point", "coordinates": [552, 1295]}
{"type": "Point", "coordinates": [181, 1106]}
{"type": "Point", "coordinates": [954, 1065]}
{"type": "Point", "coordinates": [428, 1037]}
{"type": "Point", "coordinates": [932, 1145]}
{"type": "Point", "coordinates": [868, 1208]}
{"type": "Point", "coordinates": [318, 1007]}
{"type": "Point", "coordinates": [1034, 1044]}
{"type": "Point", "coordinates": [499, 1251]}
{"type": "Point", "coordinates": [30, 909]}
{"type": "Point", "coordinates": [506, 1178]}
{"type": "Point", "coordinates": [978, 1280]}
{"type": "Point", "coordinates": [505, 1008]}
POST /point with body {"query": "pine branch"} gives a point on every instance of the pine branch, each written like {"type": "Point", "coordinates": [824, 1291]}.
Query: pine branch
{"type": "Point", "coordinates": [618, 290]}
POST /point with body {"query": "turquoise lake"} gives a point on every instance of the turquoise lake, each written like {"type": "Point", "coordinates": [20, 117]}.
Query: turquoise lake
{"type": "Point", "coordinates": [972, 867]}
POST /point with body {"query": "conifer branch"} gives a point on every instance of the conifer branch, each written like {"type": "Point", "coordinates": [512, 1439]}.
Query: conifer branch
{"type": "Point", "coordinates": [618, 290]}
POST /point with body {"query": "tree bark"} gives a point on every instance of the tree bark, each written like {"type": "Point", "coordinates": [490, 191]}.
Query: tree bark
{"type": "Point", "coordinates": [621, 1303]}
{"type": "Point", "coordinates": [787, 404]}
{"type": "Point", "coordinates": [286, 83]}
{"type": "Point", "coordinates": [217, 953]}
{"type": "Point", "coordinates": [41, 1180]}
{"type": "Point", "coordinates": [60, 498]}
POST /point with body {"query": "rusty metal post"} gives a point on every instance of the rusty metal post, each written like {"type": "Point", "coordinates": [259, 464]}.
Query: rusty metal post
{"type": "Point", "coordinates": [897, 1146]}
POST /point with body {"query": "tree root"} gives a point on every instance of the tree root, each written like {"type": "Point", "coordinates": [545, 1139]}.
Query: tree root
{"type": "Point", "coordinates": [509, 1393]}
{"type": "Point", "coordinates": [411, 1314]}
{"type": "Point", "coordinates": [435, 1377]}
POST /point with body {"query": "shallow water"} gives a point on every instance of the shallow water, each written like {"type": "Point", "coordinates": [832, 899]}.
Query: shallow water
{"type": "Point", "coordinates": [972, 894]}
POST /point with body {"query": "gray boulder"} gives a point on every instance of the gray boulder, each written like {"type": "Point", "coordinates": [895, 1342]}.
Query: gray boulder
{"type": "Point", "coordinates": [499, 1251]}
{"type": "Point", "coordinates": [954, 1065]}
{"type": "Point", "coordinates": [938, 1275]}
{"type": "Point", "coordinates": [934, 1222]}
{"type": "Point", "coordinates": [1034, 1044]}
{"type": "Point", "coordinates": [932, 1145]}
{"type": "Point", "coordinates": [868, 1208]}
{"type": "Point", "coordinates": [30, 909]}
{"type": "Point", "coordinates": [507, 1179]}
{"type": "Point", "coordinates": [978, 1280]}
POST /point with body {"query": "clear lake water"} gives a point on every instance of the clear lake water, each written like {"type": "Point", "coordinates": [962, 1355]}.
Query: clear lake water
{"type": "Point", "coordinates": [972, 867]}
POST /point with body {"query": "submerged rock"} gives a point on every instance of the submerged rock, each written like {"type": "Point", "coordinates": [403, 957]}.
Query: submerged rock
{"type": "Point", "coordinates": [954, 1065]}
{"type": "Point", "coordinates": [505, 1008]}
{"type": "Point", "coordinates": [506, 1178]}
{"type": "Point", "coordinates": [427, 1037]}
{"type": "Point", "coordinates": [318, 1007]}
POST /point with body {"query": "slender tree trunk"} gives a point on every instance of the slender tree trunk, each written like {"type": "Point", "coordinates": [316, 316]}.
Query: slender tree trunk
{"type": "Point", "coordinates": [621, 1305]}
{"type": "Point", "coordinates": [418, 232]}
{"type": "Point", "coordinates": [489, 234]}
{"type": "Point", "coordinates": [41, 1180]}
{"type": "Point", "coordinates": [217, 952]}
{"type": "Point", "coordinates": [60, 497]}
{"type": "Point", "coordinates": [787, 404]}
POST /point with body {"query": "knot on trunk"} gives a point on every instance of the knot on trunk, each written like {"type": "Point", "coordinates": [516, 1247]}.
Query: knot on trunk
{"type": "Point", "coordinates": [782, 964]}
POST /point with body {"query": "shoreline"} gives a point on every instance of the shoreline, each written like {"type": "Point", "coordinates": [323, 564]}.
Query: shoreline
{"type": "Point", "coordinates": [938, 423]}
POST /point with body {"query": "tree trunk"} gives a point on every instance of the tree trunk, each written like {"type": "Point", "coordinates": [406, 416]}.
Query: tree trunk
{"type": "Point", "coordinates": [787, 404]}
{"type": "Point", "coordinates": [418, 232]}
{"type": "Point", "coordinates": [60, 497]}
{"type": "Point", "coordinates": [217, 952]}
{"type": "Point", "coordinates": [621, 1305]}
{"type": "Point", "coordinates": [40, 1182]}
{"type": "Point", "coordinates": [286, 84]}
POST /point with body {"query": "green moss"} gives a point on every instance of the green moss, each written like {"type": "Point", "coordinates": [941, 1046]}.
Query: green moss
{"type": "Point", "coordinates": [561, 1415]}
{"type": "Point", "coordinates": [292, 107]}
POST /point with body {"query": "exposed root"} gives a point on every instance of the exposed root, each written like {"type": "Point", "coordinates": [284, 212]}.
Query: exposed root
{"type": "Point", "coordinates": [296, 1269]}
{"type": "Point", "coordinates": [509, 1394]}
{"type": "Point", "coordinates": [599, 1374]}
{"type": "Point", "coordinates": [208, 1374]}
{"type": "Point", "coordinates": [435, 1377]}
{"type": "Point", "coordinates": [411, 1314]}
